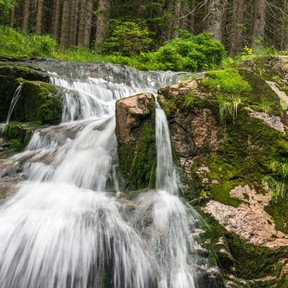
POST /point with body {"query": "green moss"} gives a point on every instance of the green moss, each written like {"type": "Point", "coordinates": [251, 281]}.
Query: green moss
{"type": "Point", "coordinates": [279, 211]}
{"type": "Point", "coordinates": [18, 135]}
{"type": "Point", "coordinates": [226, 81]}
{"type": "Point", "coordinates": [261, 97]}
{"type": "Point", "coordinates": [38, 102]}
{"type": "Point", "coordinates": [144, 162]}
{"type": "Point", "coordinates": [250, 262]}
{"type": "Point", "coordinates": [50, 112]}
{"type": "Point", "coordinates": [137, 159]}
{"type": "Point", "coordinates": [227, 178]}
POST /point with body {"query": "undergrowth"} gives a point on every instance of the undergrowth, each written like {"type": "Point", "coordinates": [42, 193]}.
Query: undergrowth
{"type": "Point", "coordinates": [186, 53]}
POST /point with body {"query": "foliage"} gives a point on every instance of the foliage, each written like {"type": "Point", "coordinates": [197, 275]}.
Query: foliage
{"type": "Point", "coordinates": [226, 81]}
{"type": "Point", "coordinates": [5, 7]}
{"type": "Point", "coordinates": [189, 100]}
{"type": "Point", "coordinates": [14, 43]}
{"type": "Point", "coordinates": [228, 107]}
{"type": "Point", "coordinates": [277, 181]}
{"type": "Point", "coordinates": [188, 53]}
{"type": "Point", "coordinates": [128, 39]}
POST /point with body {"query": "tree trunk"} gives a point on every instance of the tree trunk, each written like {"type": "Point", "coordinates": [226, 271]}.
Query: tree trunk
{"type": "Point", "coordinates": [25, 20]}
{"type": "Point", "coordinates": [88, 24]}
{"type": "Point", "coordinates": [102, 20]}
{"type": "Point", "coordinates": [176, 23]}
{"type": "Point", "coordinates": [82, 23]}
{"type": "Point", "coordinates": [39, 16]}
{"type": "Point", "coordinates": [56, 18]}
{"type": "Point", "coordinates": [215, 14]}
{"type": "Point", "coordinates": [284, 27]}
{"type": "Point", "coordinates": [12, 18]}
{"type": "Point", "coordinates": [237, 31]}
{"type": "Point", "coordinates": [64, 39]}
{"type": "Point", "coordinates": [259, 24]}
{"type": "Point", "coordinates": [73, 22]}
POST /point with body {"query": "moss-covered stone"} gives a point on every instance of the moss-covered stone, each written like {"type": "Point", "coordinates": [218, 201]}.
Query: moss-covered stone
{"type": "Point", "coordinates": [18, 135]}
{"type": "Point", "coordinates": [239, 148]}
{"type": "Point", "coordinates": [10, 79]}
{"type": "Point", "coordinates": [138, 160]}
{"type": "Point", "coordinates": [248, 264]}
{"type": "Point", "coordinates": [38, 102]}
{"type": "Point", "coordinates": [136, 141]}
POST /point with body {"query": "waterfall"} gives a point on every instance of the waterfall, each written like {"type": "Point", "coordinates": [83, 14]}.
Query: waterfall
{"type": "Point", "coordinates": [64, 228]}
{"type": "Point", "coordinates": [166, 175]}
{"type": "Point", "coordinates": [170, 236]}
{"type": "Point", "coordinates": [14, 100]}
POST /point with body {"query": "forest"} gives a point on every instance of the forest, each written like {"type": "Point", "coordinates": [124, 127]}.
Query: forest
{"type": "Point", "coordinates": [132, 27]}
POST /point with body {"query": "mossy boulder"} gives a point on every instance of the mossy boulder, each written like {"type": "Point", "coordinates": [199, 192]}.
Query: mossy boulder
{"type": "Point", "coordinates": [9, 82]}
{"type": "Point", "coordinates": [38, 102]}
{"type": "Point", "coordinates": [136, 141]}
{"type": "Point", "coordinates": [18, 135]}
{"type": "Point", "coordinates": [231, 144]}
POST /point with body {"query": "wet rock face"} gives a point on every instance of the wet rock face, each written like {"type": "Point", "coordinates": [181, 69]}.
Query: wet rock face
{"type": "Point", "coordinates": [10, 76]}
{"type": "Point", "coordinates": [196, 131]}
{"type": "Point", "coordinates": [130, 112]}
{"type": "Point", "coordinates": [250, 220]}
{"type": "Point", "coordinates": [194, 128]}
{"type": "Point", "coordinates": [135, 129]}
{"type": "Point", "coordinates": [10, 172]}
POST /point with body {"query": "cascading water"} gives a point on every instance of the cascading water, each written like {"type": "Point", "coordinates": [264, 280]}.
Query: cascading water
{"type": "Point", "coordinates": [14, 100]}
{"type": "Point", "coordinates": [64, 228]}
{"type": "Point", "coordinates": [169, 234]}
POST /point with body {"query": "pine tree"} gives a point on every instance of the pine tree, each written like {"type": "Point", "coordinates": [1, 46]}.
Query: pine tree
{"type": "Point", "coordinates": [102, 20]}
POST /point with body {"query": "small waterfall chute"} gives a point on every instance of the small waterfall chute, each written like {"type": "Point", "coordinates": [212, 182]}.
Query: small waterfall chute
{"type": "Point", "coordinates": [13, 103]}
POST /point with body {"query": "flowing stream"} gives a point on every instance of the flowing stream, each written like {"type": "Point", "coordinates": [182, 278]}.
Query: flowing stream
{"type": "Point", "coordinates": [65, 227]}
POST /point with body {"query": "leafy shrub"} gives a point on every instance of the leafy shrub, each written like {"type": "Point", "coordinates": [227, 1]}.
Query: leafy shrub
{"type": "Point", "coordinates": [188, 53]}
{"type": "Point", "coordinates": [128, 45]}
{"type": "Point", "coordinates": [14, 43]}
{"type": "Point", "coordinates": [128, 39]}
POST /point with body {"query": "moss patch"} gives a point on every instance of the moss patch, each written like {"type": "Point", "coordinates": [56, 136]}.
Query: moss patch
{"type": "Point", "coordinates": [137, 157]}
{"type": "Point", "coordinates": [247, 262]}
{"type": "Point", "coordinates": [9, 81]}
{"type": "Point", "coordinates": [39, 101]}
{"type": "Point", "coordinates": [226, 81]}
{"type": "Point", "coordinates": [138, 160]}
{"type": "Point", "coordinates": [18, 134]}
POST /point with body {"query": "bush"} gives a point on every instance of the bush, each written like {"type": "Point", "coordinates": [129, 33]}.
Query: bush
{"type": "Point", "coordinates": [14, 43]}
{"type": "Point", "coordinates": [188, 53]}
{"type": "Point", "coordinates": [128, 39]}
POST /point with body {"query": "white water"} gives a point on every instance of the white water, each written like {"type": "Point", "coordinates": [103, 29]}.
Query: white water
{"type": "Point", "coordinates": [169, 235]}
{"type": "Point", "coordinates": [63, 228]}
{"type": "Point", "coordinates": [13, 103]}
